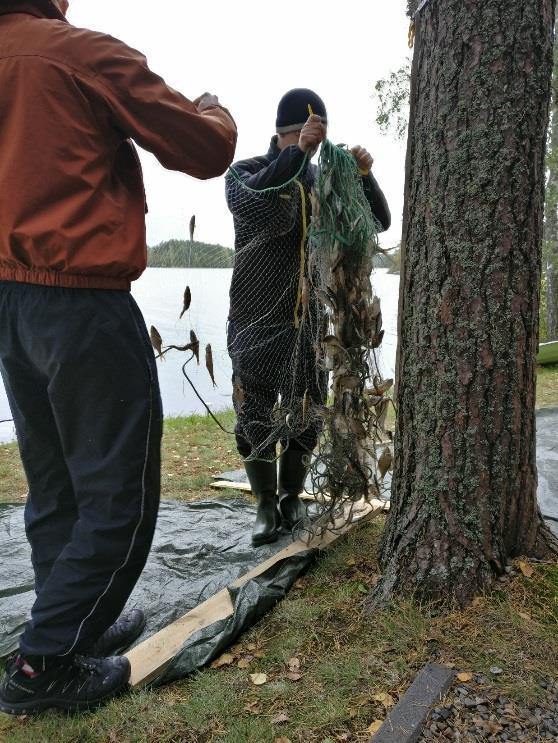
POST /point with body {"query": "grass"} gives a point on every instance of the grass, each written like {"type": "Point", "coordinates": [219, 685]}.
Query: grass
{"type": "Point", "coordinates": [193, 449]}
{"type": "Point", "coordinates": [547, 386]}
{"type": "Point", "coordinates": [351, 666]}
{"type": "Point", "coordinates": [331, 669]}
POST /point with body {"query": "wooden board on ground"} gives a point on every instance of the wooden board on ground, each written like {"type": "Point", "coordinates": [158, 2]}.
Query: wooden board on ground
{"type": "Point", "coordinates": [150, 658]}
{"type": "Point", "coordinates": [405, 721]}
{"type": "Point", "coordinates": [245, 487]}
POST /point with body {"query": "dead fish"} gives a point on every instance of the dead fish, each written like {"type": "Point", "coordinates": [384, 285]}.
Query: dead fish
{"type": "Point", "coordinates": [195, 345]}
{"type": "Point", "coordinates": [325, 299]}
{"type": "Point", "coordinates": [385, 462]}
{"type": "Point", "coordinates": [305, 297]}
{"type": "Point", "coordinates": [349, 382]}
{"type": "Point", "coordinates": [382, 386]}
{"type": "Point", "coordinates": [238, 394]}
{"type": "Point", "coordinates": [327, 185]}
{"type": "Point", "coordinates": [315, 204]}
{"type": "Point", "coordinates": [305, 406]}
{"type": "Point", "coordinates": [209, 363]}
{"type": "Point", "coordinates": [187, 302]}
{"type": "Point", "coordinates": [357, 428]}
{"type": "Point", "coordinates": [192, 227]}
{"type": "Point", "coordinates": [156, 340]}
{"type": "Point", "coordinates": [377, 340]}
{"type": "Point", "coordinates": [381, 413]}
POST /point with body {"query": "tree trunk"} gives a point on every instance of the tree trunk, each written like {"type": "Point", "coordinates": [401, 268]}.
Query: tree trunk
{"type": "Point", "coordinates": [550, 247]}
{"type": "Point", "coordinates": [465, 479]}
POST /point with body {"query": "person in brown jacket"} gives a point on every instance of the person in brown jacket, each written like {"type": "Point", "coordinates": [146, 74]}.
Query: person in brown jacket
{"type": "Point", "coordinates": [75, 356]}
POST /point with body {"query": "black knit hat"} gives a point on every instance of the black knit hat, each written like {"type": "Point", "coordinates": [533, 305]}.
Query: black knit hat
{"type": "Point", "coordinates": [293, 111]}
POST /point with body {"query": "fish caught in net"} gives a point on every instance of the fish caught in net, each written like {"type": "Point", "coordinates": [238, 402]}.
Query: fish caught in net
{"type": "Point", "coordinates": [304, 329]}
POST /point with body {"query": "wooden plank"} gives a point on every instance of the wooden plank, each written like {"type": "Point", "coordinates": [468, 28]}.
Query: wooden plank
{"type": "Point", "coordinates": [405, 722]}
{"type": "Point", "coordinates": [245, 487]}
{"type": "Point", "coordinates": [230, 485]}
{"type": "Point", "coordinates": [149, 659]}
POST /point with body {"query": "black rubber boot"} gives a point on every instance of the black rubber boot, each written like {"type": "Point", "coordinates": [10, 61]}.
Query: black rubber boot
{"type": "Point", "coordinates": [293, 469]}
{"type": "Point", "coordinates": [32, 685]}
{"type": "Point", "coordinates": [262, 476]}
{"type": "Point", "coordinates": [120, 635]}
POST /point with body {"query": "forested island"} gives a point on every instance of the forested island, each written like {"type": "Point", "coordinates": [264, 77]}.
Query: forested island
{"type": "Point", "coordinates": [186, 254]}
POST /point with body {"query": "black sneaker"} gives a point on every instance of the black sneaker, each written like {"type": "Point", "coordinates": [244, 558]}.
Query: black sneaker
{"type": "Point", "coordinates": [120, 635]}
{"type": "Point", "coordinates": [78, 683]}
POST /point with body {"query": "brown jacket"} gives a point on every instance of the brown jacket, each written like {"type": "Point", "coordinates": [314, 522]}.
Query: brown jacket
{"type": "Point", "coordinates": [72, 203]}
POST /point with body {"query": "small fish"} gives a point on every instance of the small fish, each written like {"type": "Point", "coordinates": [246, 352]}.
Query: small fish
{"type": "Point", "coordinates": [305, 297]}
{"type": "Point", "coordinates": [187, 302]}
{"type": "Point", "coordinates": [156, 340]}
{"type": "Point", "coordinates": [209, 363]}
{"type": "Point", "coordinates": [357, 428]}
{"type": "Point", "coordinates": [238, 394]}
{"type": "Point", "coordinates": [305, 406]}
{"type": "Point", "coordinates": [385, 462]}
{"type": "Point", "coordinates": [195, 345]}
{"type": "Point", "coordinates": [382, 386]}
{"type": "Point", "coordinates": [325, 300]}
{"type": "Point", "coordinates": [381, 413]}
{"type": "Point", "coordinates": [192, 227]}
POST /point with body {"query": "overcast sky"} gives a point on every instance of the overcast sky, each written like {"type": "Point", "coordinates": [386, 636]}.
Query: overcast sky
{"type": "Point", "coordinates": [249, 53]}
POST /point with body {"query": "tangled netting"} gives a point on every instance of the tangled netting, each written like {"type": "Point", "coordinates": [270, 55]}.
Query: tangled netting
{"type": "Point", "coordinates": [304, 329]}
{"type": "Point", "coordinates": [347, 467]}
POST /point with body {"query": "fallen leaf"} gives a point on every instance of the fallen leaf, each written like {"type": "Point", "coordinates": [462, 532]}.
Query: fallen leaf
{"type": "Point", "coordinates": [526, 569]}
{"type": "Point", "coordinates": [282, 739]}
{"type": "Point", "coordinates": [254, 708]}
{"type": "Point", "coordinates": [351, 562]}
{"type": "Point", "coordinates": [524, 615]}
{"type": "Point", "coordinates": [259, 654]}
{"type": "Point", "coordinates": [280, 718]}
{"type": "Point", "coordinates": [293, 676]}
{"type": "Point", "coordinates": [258, 679]}
{"type": "Point", "coordinates": [251, 646]}
{"type": "Point", "coordinates": [494, 727]}
{"type": "Point", "coordinates": [243, 663]}
{"type": "Point", "coordinates": [224, 660]}
{"type": "Point", "coordinates": [361, 588]}
{"type": "Point", "coordinates": [294, 664]}
{"type": "Point", "coordinates": [386, 699]}
{"type": "Point", "coordinates": [478, 601]}
{"type": "Point", "coordinates": [376, 725]}
{"type": "Point", "coordinates": [463, 677]}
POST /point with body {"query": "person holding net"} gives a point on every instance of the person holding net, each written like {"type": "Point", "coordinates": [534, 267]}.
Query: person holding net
{"type": "Point", "coordinates": [273, 327]}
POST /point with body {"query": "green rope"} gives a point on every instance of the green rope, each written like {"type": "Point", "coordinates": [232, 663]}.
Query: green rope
{"type": "Point", "coordinates": [344, 214]}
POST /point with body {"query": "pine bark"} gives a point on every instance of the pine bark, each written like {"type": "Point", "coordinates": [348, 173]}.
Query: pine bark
{"type": "Point", "coordinates": [550, 250]}
{"type": "Point", "coordinates": [465, 479]}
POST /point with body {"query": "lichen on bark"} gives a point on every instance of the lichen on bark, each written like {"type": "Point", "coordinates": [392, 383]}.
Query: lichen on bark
{"type": "Point", "coordinates": [464, 484]}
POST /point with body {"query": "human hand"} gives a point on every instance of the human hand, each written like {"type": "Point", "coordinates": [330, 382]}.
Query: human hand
{"type": "Point", "coordinates": [364, 159]}
{"type": "Point", "coordinates": [206, 100]}
{"type": "Point", "coordinates": [312, 134]}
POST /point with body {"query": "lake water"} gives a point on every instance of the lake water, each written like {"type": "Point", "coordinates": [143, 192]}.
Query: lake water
{"type": "Point", "coordinates": [159, 293]}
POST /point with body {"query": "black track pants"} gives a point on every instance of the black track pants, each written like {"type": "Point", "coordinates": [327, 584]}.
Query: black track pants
{"type": "Point", "coordinates": [82, 384]}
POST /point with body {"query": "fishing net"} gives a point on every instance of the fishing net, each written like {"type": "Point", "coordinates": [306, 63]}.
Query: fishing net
{"type": "Point", "coordinates": [304, 330]}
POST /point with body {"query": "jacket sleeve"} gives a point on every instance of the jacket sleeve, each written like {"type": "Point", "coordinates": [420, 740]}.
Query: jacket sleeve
{"type": "Point", "coordinates": [284, 168]}
{"type": "Point", "coordinates": [377, 201]}
{"type": "Point", "coordinates": [158, 118]}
